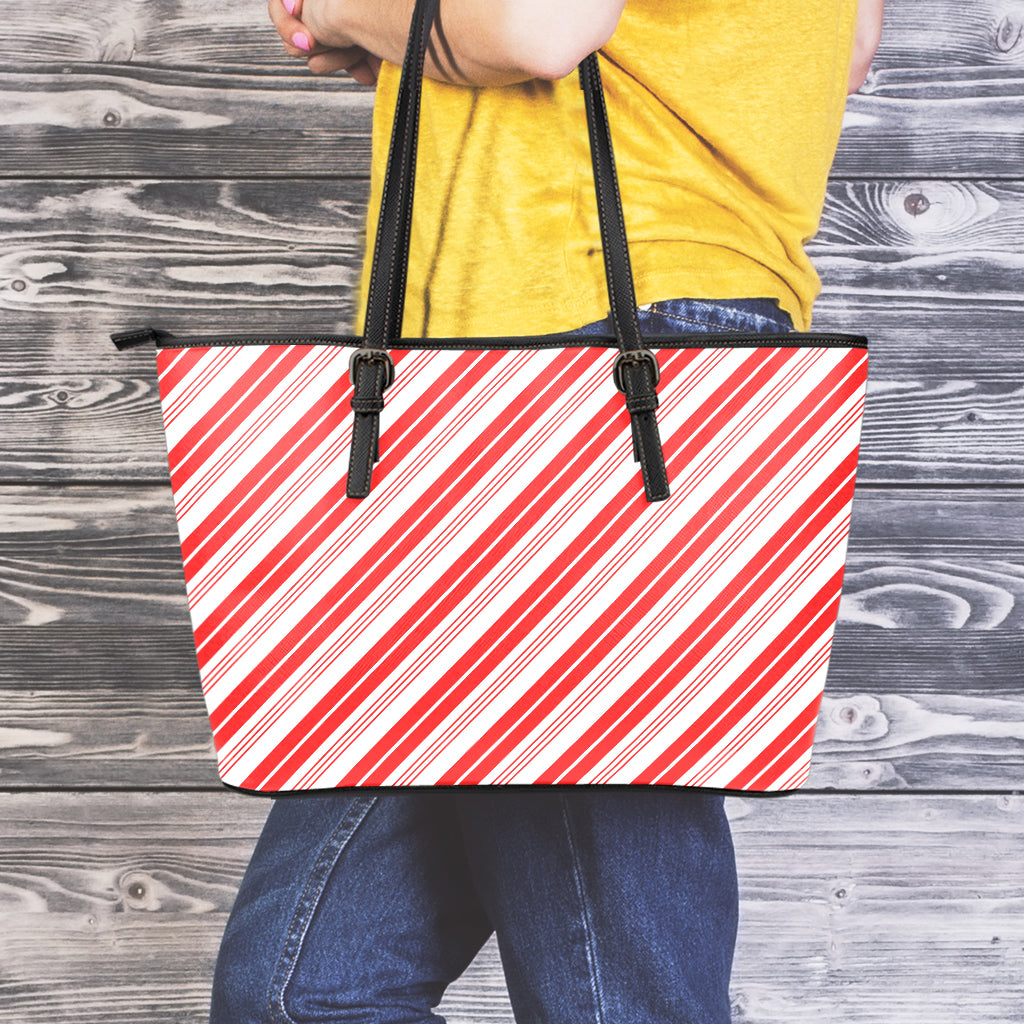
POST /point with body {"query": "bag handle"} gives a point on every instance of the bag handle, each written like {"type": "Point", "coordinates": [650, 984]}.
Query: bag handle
{"type": "Point", "coordinates": [635, 371]}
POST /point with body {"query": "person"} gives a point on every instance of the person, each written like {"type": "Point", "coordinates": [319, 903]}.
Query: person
{"type": "Point", "coordinates": [610, 904]}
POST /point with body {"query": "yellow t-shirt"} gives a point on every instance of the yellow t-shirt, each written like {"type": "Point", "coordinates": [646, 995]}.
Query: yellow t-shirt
{"type": "Point", "coordinates": [725, 116]}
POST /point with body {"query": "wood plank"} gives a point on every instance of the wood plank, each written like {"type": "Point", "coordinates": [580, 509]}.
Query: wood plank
{"type": "Point", "coordinates": [187, 33]}
{"type": "Point", "coordinates": [930, 557]}
{"type": "Point", "coordinates": [84, 427]}
{"type": "Point", "coordinates": [946, 405]}
{"type": "Point", "coordinates": [950, 34]}
{"type": "Point", "coordinates": [926, 688]}
{"type": "Point", "coordinates": [103, 707]}
{"type": "Point", "coordinates": [925, 239]}
{"type": "Point", "coordinates": [163, 33]}
{"type": "Point", "coordinates": [89, 555]}
{"type": "Point", "coordinates": [919, 900]}
{"type": "Point", "coordinates": [104, 555]}
{"type": "Point", "coordinates": [114, 119]}
{"type": "Point", "coordinates": [918, 709]}
{"type": "Point", "coordinates": [957, 337]}
{"type": "Point", "coordinates": [965, 122]}
{"type": "Point", "coordinates": [131, 249]}
{"type": "Point", "coordinates": [847, 904]}
{"type": "Point", "coordinates": [118, 120]}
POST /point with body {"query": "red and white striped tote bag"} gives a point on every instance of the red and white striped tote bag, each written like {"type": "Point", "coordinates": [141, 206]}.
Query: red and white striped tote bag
{"type": "Point", "coordinates": [512, 598]}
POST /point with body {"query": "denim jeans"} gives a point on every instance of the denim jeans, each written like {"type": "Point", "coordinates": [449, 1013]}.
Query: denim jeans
{"type": "Point", "coordinates": [610, 904]}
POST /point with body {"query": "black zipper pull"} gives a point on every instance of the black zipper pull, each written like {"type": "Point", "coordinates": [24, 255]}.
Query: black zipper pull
{"type": "Point", "coordinates": [142, 336]}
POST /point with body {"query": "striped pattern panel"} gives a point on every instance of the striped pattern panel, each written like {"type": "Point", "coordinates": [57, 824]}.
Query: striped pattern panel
{"type": "Point", "coordinates": [506, 607]}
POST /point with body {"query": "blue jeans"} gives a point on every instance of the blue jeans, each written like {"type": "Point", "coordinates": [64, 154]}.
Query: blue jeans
{"type": "Point", "coordinates": [610, 904]}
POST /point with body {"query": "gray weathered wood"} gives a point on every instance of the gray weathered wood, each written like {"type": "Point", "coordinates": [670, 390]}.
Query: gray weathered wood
{"type": "Point", "coordinates": [106, 427]}
{"type": "Point", "coordinates": [131, 249]}
{"type": "Point", "coordinates": [937, 34]}
{"type": "Point", "coordinates": [213, 256]}
{"type": "Point", "coordinates": [933, 34]}
{"type": "Point", "coordinates": [101, 707]}
{"type": "Point", "coordinates": [119, 120]}
{"type": "Point", "coordinates": [887, 907]}
{"type": "Point", "coordinates": [114, 119]}
{"type": "Point", "coordinates": [934, 590]}
{"type": "Point", "coordinates": [847, 904]}
{"type": "Point", "coordinates": [948, 558]}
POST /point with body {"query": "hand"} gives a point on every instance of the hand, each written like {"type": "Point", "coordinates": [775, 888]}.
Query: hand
{"type": "Point", "coordinates": [337, 53]}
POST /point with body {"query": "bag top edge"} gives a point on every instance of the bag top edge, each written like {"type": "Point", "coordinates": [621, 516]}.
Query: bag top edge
{"type": "Point", "coordinates": [544, 341]}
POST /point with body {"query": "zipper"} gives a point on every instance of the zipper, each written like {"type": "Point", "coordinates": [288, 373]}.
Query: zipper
{"type": "Point", "coordinates": [164, 339]}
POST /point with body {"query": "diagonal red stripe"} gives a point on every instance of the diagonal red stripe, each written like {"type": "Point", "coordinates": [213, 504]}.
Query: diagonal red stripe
{"type": "Point", "coordinates": [362, 678]}
{"type": "Point", "coordinates": [208, 432]}
{"type": "Point", "coordinates": [788, 747]}
{"type": "Point", "coordinates": [564, 623]}
{"type": "Point", "coordinates": [481, 501]}
{"type": "Point", "coordinates": [207, 539]}
{"type": "Point", "coordinates": [380, 558]}
{"type": "Point", "coordinates": [545, 732]}
{"type": "Point", "coordinates": [623, 714]}
{"type": "Point", "coordinates": [698, 534]}
{"type": "Point", "coordinates": [312, 530]}
{"type": "Point", "coordinates": [753, 627]}
{"type": "Point", "coordinates": [766, 722]}
{"type": "Point", "coordinates": [519, 516]}
{"type": "Point", "coordinates": [714, 622]}
{"type": "Point", "coordinates": [567, 569]}
{"type": "Point", "coordinates": [785, 650]}
{"type": "Point", "coordinates": [606, 435]}
{"type": "Point", "coordinates": [173, 365]}
{"type": "Point", "coordinates": [363, 525]}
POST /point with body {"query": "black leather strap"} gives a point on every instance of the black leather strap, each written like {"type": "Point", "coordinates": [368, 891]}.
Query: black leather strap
{"type": "Point", "coordinates": [372, 370]}
{"type": "Point", "coordinates": [636, 367]}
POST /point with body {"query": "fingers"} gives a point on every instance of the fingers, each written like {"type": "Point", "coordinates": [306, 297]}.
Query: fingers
{"type": "Point", "coordinates": [321, 60]}
{"type": "Point", "coordinates": [353, 59]}
{"type": "Point", "coordinates": [297, 39]}
{"type": "Point", "coordinates": [360, 66]}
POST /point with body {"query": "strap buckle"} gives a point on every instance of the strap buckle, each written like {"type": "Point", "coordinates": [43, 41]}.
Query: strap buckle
{"type": "Point", "coordinates": [370, 354]}
{"type": "Point", "coordinates": [640, 355]}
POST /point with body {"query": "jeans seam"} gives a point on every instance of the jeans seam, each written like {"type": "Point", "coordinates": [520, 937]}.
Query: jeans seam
{"type": "Point", "coordinates": [307, 905]}
{"type": "Point", "coordinates": [714, 327]}
{"type": "Point", "coordinates": [588, 931]}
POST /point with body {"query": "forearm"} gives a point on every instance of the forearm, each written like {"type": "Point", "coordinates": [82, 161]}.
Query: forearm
{"type": "Point", "coordinates": [868, 35]}
{"type": "Point", "coordinates": [478, 42]}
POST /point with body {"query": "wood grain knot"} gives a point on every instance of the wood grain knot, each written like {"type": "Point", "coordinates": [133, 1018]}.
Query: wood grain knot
{"type": "Point", "coordinates": [138, 891]}
{"type": "Point", "coordinates": [1008, 34]}
{"type": "Point", "coordinates": [111, 118]}
{"type": "Point", "coordinates": [916, 204]}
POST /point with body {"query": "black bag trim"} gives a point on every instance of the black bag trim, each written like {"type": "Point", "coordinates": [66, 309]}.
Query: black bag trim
{"type": "Point", "coordinates": [163, 339]}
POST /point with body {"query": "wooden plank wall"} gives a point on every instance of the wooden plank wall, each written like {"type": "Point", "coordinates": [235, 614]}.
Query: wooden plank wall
{"type": "Point", "coordinates": [162, 160]}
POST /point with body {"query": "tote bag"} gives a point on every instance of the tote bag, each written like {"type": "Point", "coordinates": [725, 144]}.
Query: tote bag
{"type": "Point", "coordinates": [490, 561]}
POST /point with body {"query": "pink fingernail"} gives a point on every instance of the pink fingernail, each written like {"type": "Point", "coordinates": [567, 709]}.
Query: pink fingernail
{"type": "Point", "coordinates": [289, 6]}
{"type": "Point", "coordinates": [301, 40]}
